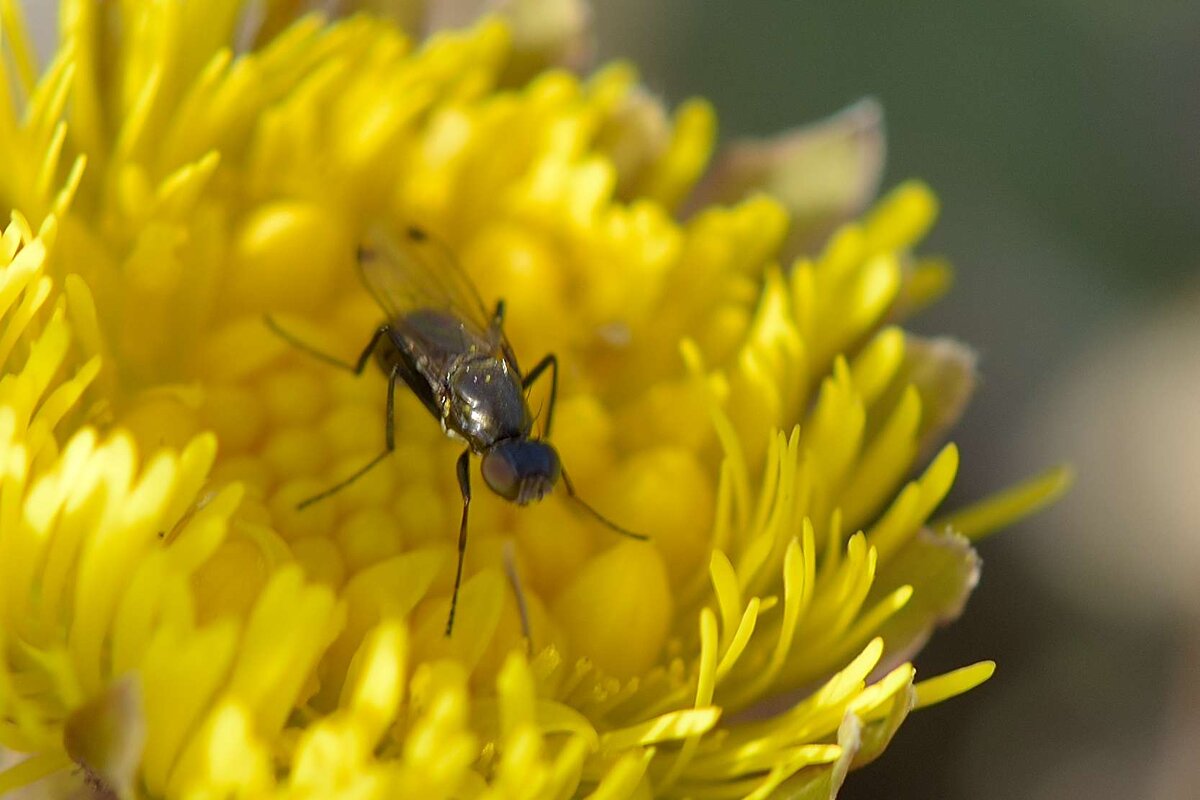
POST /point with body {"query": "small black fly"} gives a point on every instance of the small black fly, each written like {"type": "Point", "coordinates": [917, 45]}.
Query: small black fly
{"type": "Point", "coordinates": [439, 340]}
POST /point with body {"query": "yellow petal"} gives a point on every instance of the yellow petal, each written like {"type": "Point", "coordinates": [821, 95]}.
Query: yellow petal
{"type": "Point", "coordinates": [1010, 505]}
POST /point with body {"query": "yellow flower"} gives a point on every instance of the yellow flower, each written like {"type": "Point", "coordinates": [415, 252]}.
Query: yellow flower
{"type": "Point", "coordinates": [172, 624]}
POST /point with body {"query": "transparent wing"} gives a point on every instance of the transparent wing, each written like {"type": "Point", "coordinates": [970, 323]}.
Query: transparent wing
{"type": "Point", "coordinates": [408, 271]}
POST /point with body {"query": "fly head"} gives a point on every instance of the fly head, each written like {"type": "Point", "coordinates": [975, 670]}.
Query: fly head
{"type": "Point", "coordinates": [521, 470]}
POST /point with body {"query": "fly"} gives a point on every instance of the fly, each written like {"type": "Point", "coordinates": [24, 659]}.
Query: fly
{"type": "Point", "coordinates": [441, 343]}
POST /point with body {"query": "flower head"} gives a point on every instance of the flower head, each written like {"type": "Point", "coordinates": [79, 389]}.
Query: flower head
{"type": "Point", "coordinates": [172, 623]}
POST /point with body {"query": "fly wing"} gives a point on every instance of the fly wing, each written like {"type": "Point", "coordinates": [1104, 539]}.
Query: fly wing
{"type": "Point", "coordinates": [410, 271]}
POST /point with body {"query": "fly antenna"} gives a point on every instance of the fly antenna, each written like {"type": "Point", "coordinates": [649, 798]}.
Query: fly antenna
{"type": "Point", "coordinates": [605, 521]}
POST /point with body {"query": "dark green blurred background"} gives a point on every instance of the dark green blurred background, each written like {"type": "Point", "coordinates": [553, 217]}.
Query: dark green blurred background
{"type": "Point", "coordinates": [1061, 136]}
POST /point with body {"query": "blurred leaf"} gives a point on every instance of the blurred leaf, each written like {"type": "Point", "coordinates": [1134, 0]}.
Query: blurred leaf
{"type": "Point", "coordinates": [546, 33]}
{"type": "Point", "coordinates": [106, 735]}
{"type": "Point", "coordinates": [943, 370]}
{"type": "Point", "coordinates": [943, 569]}
{"type": "Point", "coordinates": [823, 173]}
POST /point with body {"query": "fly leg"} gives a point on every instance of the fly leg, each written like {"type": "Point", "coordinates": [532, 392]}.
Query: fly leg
{"type": "Point", "coordinates": [550, 361]}
{"type": "Point", "coordinates": [389, 432]}
{"type": "Point", "coordinates": [464, 485]}
{"type": "Point", "coordinates": [357, 367]}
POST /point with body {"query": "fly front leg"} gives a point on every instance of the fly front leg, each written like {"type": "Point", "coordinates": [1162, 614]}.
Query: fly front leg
{"type": "Point", "coordinates": [550, 361]}
{"type": "Point", "coordinates": [365, 356]}
{"type": "Point", "coordinates": [389, 435]}
{"type": "Point", "coordinates": [357, 367]}
{"type": "Point", "coordinates": [464, 486]}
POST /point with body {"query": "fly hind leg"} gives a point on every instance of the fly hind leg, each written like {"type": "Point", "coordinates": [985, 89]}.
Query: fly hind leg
{"type": "Point", "coordinates": [389, 437]}
{"type": "Point", "coordinates": [357, 367]}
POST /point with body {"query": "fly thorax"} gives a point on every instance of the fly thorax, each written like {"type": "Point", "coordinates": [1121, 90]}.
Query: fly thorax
{"type": "Point", "coordinates": [486, 401]}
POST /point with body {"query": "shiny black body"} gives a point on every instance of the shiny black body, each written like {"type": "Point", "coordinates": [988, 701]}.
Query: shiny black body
{"type": "Point", "coordinates": [441, 343]}
{"type": "Point", "coordinates": [477, 396]}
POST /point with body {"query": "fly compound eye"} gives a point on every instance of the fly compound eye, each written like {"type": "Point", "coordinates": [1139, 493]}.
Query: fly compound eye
{"type": "Point", "coordinates": [521, 471]}
{"type": "Point", "coordinates": [500, 473]}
